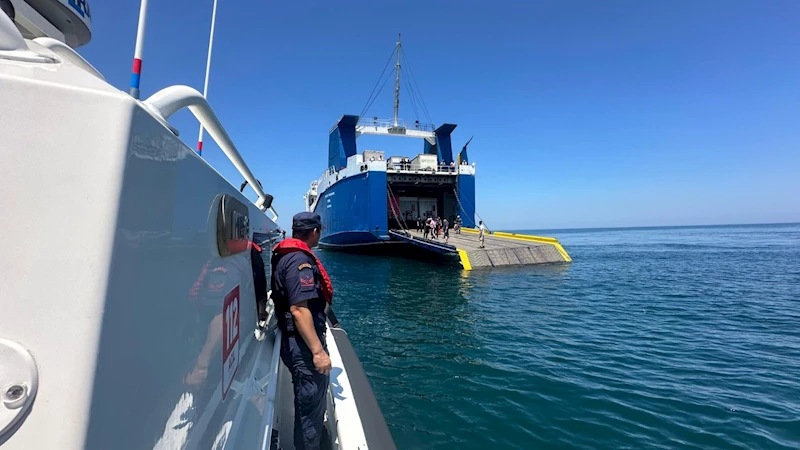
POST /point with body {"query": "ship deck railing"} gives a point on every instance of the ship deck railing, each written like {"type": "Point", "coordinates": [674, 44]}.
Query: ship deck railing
{"type": "Point", "coordinates": [389, 123]}
{"type": "Point", "coordinates": [443, 170]}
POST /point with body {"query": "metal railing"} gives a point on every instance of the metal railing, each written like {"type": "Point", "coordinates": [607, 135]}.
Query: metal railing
{"type": "Point", "coordinates": [406, 168]}
{"type": "Point", "coordinates": [329, 172]}
{"type": "Point", "coordinates": [389, 123]}
{"type": "Point", "coordinates": [170, 100]}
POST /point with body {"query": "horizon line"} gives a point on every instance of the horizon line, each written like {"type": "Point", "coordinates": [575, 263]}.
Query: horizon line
{"type": "Point", "coordinates": [653, 226]}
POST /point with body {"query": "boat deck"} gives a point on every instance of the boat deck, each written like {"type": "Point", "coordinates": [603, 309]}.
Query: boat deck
{"type": "Point", "coordinates": [500, 249]}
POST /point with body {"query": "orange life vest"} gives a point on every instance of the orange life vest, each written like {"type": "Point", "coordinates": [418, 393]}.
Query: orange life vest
{"type": "Point", "coordinates": [290, 245]}
{"type": "Point", "coordinates": [241, 245]}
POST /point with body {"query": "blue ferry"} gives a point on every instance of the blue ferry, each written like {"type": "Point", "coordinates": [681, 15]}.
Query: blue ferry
{"type": "Point", "coordinates": [369, 198]}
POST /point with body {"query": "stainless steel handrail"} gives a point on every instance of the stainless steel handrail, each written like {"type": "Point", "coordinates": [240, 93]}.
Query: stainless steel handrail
{"type": "Point", "coordinates": [170, 100]}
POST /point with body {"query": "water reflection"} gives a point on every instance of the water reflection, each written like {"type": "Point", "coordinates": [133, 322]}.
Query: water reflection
{"type": "Point", "coordinates": [219, 276]}
{"type": "Point", "coordinates": [178, 425]}
{"type": "Point", "coordinates": [190, 422]}
{"type": "Point", "coordinates": [336, 387]}
{"type": "Point", "coordinates": [399, 311]}
{"type": "Point", "coordinates": [426, 293]}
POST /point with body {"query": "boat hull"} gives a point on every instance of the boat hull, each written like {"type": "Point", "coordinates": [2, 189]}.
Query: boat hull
{"type": "Point", "coordinates": [145, 333]}
{"type": "Point", "coordinates": [354, 212]}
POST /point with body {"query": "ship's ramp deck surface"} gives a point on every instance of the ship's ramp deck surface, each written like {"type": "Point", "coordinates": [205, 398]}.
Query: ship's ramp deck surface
{"type": "Point", "coordinates": [506, 249]}
{"type": "Point", "coordinates": [431, 245]}
{"type": "Point", "coordinates": [500, 249]}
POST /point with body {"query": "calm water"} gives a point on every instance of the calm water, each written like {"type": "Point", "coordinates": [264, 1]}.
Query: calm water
{"type": "Point", "coordinates": [651, 338]}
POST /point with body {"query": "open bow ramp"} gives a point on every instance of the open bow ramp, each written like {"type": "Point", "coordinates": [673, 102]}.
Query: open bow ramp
{"type": "Point", "coordinates": [500, 249]}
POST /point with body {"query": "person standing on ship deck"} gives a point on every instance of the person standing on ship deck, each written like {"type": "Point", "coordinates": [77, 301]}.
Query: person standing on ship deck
{"type": "Point", "coordinates": [481, 232]}
{"type": "Point", "coordinates": [301, 291]}
{"type": "Point", "coordinates": [427, 227]}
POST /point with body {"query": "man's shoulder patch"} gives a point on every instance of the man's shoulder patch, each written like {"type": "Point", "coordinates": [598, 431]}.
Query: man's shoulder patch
{"type": "Point", "coordinates": [306, 279]}
{"type": "Point", "coordinates": [304, 266]}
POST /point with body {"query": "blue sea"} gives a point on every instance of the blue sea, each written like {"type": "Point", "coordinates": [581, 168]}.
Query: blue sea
{"type": "Point", "coordinates": [680, 337]}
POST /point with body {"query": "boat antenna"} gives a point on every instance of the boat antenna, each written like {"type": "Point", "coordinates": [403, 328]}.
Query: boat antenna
{"type": "Point", "coordinates": [397, 81]}
{"type": "Point", "coordinates": [137, 52]}
{"type": "Point", "coordinates": [208, 70]}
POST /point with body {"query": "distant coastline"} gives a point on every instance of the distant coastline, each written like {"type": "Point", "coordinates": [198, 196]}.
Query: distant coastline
{"type": "Point", "coordinates": [651, 227]}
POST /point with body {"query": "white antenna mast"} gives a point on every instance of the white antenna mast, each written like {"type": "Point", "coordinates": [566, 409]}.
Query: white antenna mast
{"type": "Point", "coordinates": [137, 52]}
{"type": "Point", "coordinates": [397, 82]}
{"type": "Point", "coordinates": [208, 70]}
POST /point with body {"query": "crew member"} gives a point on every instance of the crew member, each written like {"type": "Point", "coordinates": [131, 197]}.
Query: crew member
{"type": "Point", "coordinates": [301, 290]}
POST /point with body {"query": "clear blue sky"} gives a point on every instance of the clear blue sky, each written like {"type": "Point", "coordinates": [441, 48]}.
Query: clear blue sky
{"type": "Point", "coordinates": [585, 113]}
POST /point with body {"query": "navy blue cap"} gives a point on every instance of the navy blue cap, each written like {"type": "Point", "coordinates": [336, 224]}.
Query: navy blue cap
{"type": "Point", "coordinates": [306, 221]}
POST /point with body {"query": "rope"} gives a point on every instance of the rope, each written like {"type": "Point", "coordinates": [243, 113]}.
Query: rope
{"type": "Point", "coordinates": [461, 205]}
{"type": "Point", "coordinates": [368, 104]}
{"type": "Point", "coordinates": [411, 97]}
{"type": "Point", "coordinates": [419, 92]}
{"type": "Point", "coordinates": [376, 96]}
{"type": "Point", "coordinates": [400, 220]}
{"type": "Point", "coordinates": [415, 101]}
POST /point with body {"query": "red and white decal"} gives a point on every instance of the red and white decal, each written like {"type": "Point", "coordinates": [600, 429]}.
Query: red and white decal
{"type": "Point", "coordinates": [230, 339]}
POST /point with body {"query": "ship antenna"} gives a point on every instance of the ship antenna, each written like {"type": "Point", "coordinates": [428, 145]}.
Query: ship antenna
{"type": "Point", "coordinates": [397, 82]}
{"type": "Point", "coordinates": [208, 70]}
{"type": "Point", "coordinates": [137, 52]}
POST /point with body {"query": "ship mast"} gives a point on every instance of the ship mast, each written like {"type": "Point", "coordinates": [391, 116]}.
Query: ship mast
{"type": "Point", "coordinates": [397, 82]}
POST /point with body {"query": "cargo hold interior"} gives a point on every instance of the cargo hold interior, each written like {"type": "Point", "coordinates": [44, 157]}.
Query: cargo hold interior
{"type": "Point", "coordinates": [415, 196]}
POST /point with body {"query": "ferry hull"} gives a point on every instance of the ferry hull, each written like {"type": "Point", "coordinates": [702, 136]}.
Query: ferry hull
{"type": "Point", "coordinates": [362, 196]}
{"type": "Point", "coordinates": [354, 211]}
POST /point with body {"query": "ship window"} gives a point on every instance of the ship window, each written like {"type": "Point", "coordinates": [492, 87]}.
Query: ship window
{"type": "Point", "coordinates": [233, 226]}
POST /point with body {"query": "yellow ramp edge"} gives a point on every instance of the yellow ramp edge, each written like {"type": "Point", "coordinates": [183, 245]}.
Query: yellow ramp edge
{"type": "Point", "coordinates": [540, 239]}
{"type": "Point", "coordinates": [524, 237]}
{"type": "Point", "coordinates": [464, 259]}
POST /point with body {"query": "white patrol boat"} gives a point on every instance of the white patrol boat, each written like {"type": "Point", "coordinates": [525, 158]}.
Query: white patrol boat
{"type": "Point", "coordinates": [128, 315]}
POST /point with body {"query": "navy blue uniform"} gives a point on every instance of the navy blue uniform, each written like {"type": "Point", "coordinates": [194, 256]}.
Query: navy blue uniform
{"type": "Point", "coordinates": [296, 278]}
